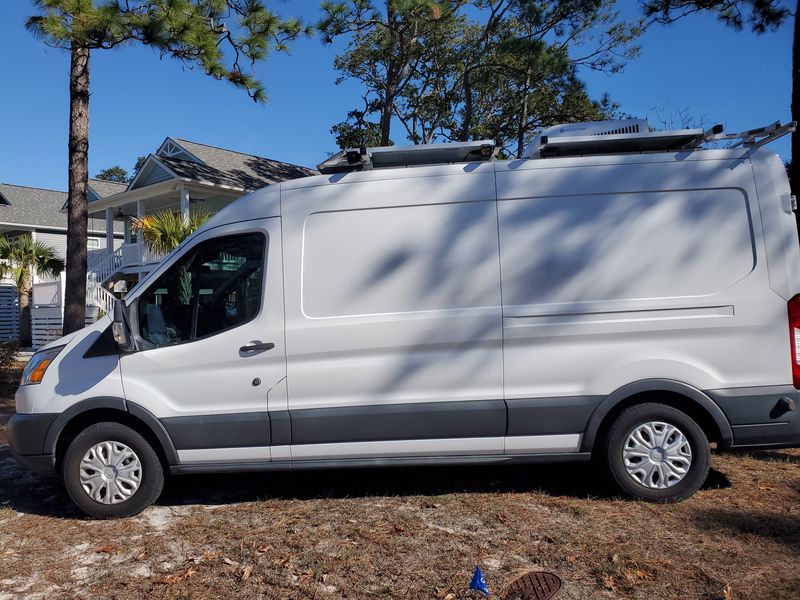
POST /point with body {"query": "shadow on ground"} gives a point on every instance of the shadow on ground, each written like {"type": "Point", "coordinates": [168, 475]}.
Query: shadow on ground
{"type": "Point", "coordinates": [779, 528]}
{"type": "Point", "coordinates": [775, 455]}
{"type": "Point", "coordinates": [29, 493]}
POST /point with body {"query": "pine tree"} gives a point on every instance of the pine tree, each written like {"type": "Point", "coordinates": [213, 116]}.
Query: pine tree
{"type": "Point", "coordinates": [115, 173]}
{"type": "Point", "coordinates": [222, 37]}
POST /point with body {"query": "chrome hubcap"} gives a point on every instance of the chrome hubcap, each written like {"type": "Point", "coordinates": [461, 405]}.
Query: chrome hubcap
{"type": "Point", "coordinates": [110, 472]}
{"type": "Point", "coordinates": [657, 455]}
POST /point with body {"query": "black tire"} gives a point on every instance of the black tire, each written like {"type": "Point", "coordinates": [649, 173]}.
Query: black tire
{"type": "Point", "coordinates": [638, 415]}
{"type": "Point", "coordinates": [151, 476]}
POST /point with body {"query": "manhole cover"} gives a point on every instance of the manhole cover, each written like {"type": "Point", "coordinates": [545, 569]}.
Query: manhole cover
{"type": "Point", "coordinates": [534, 585]}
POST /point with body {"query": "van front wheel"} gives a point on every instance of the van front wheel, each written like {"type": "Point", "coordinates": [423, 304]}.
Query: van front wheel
{"type": "Point", "coordinates": [657, 453]}
{"type": "Point", "coordinates": [110, 471]}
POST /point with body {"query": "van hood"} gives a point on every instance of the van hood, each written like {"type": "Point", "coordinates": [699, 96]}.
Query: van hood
{"type": "Point", "coordinates": [101, 323]}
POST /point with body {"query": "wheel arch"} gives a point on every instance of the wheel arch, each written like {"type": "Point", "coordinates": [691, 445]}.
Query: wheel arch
{"type": "Point", "coordinates": [95, 410]}
{"type": "Point", "coordinates": [684, 397]}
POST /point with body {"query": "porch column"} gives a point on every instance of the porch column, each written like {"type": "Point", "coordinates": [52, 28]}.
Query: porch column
{"type": "Point", "coordinates": [139, 241]}
{"type": "Point", "coordinates": [184, 202]}
{"type": "Point", "coordinates": [127, 229]}
{"type": "Point", "coordinates": [109, 230]}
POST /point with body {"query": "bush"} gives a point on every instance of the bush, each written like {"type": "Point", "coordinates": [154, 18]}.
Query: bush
{"type": "Point", "coordinates": [8, 359]}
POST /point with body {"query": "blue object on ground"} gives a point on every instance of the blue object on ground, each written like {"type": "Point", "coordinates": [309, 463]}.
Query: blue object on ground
{"type": "Point", "coordinates": [478, 582]}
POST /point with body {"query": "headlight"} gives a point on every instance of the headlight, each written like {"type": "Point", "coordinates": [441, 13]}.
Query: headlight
{"type": "Point", "coordinates": [37, 365]}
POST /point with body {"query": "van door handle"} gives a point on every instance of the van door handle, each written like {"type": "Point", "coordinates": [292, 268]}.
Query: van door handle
{"type": "Point", "coordinates": [257, 347]}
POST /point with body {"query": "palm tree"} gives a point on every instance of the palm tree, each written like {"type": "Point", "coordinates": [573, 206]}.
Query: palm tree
{"type": "Point", "coordinates": [22, 259]}
{"type": "Point", "coordinates": [165, 230]}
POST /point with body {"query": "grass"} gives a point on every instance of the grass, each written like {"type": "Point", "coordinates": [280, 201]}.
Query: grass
{"type": "Point", "coordinates": [409, 533]}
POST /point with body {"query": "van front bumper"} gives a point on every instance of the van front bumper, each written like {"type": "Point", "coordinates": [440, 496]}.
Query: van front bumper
{"type": "Point", "coordinates": [26, 435]}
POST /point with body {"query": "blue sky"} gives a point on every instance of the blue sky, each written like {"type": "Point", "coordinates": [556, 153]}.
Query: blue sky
{"type": "Point", "coordinates": [715, 74]}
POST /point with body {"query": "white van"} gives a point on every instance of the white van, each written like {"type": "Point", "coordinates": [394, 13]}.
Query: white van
{"type": "Point", "coordinates": [628, 295]}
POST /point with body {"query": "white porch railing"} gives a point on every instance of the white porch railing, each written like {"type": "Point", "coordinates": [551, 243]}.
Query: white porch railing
{"type": "Point", "coordinates": [103, 266]}
{"type": "Point", "coordinates": [97, 295]}
{"type": "Point", "coordinates": [127, 255]}
{"type": "Point", "coordinates": [47, 293]}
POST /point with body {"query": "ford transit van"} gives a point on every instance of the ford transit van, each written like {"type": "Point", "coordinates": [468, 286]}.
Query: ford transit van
{"type": "Point", "coordinates": [629, 296]}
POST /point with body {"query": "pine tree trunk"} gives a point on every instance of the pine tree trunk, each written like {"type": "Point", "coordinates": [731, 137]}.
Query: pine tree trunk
{"type": "Point", "coordinates": [794, 171]}
{"type": "Point", "coordinates": [77, 215]}
{"type": "Point", "coordinates": [467, 124]}
{"type": "Point", "coordinates": [523, 119]}
{"type": "Point", "coordinates": [25, 338]}
{"type": "Point", "coordinates": [386, 120]}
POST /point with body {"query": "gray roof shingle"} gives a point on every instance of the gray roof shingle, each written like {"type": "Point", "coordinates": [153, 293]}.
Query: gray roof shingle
{"type": "Point", "coordinates": [104, 188]}
{"type": "Point", "coordinates": [233, 169]}
{"type": "Point", "coordinates": [39, 208]}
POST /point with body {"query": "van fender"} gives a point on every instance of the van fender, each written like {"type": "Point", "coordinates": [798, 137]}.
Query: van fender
{"type": "Point", "coordinates": [655, 385]}
{"type": "Point", "coordinates": [113, 403]}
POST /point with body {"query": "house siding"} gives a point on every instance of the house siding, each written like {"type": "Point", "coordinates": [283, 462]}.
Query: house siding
{"type": "Point", "coordinates": [155, 175]}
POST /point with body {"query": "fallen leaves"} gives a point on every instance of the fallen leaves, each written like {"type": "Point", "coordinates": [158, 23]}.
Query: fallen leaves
{"type": "Point", "coordinates": [178, 577]}
{"type": "Point", "coordinates": [245, 572]}
{"type": "Point", "coordinates": [108, 550]}
{"type": "Point", "coordinates": [610, 583]}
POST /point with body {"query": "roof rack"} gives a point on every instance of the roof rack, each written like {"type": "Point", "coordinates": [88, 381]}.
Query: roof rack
{"type": "Point", "coordinates": [616, 137]}
{"type": "Point", "coordinates": [359, 159]}
{"type": "Point", "coordinates": [571, 139]}
{"type": "Point", "coordinates": [754, 138]}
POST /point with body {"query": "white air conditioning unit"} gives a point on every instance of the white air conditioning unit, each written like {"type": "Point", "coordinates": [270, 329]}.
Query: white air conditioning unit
{"type": "Point", "coordinates": [590, 128]}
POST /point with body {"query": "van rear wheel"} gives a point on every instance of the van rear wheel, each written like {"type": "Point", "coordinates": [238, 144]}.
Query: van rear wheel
{"type": "Point", "coordinates": [110, 471]}
{"type": "Point", "coordinates": [657, 453]}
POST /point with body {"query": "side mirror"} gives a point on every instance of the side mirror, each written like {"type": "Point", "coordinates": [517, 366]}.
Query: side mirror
{"type": "Point", "coordinates": [121, 328]}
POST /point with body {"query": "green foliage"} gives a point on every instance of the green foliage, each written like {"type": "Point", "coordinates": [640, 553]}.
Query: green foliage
{"type": "Point", "coordinates": [138, 166]}
{"type": "Point", "coordinates": [759, 15]}
{"type": "Point", "coordinates": [221, 37]}
{"type": "Point", "coordinates": [165, 230]}
{"type": "Point", "coordinates": [8, 361]}
{"type": "Point", "coordinates": [357, 131]}
{"type": "Point", "coordinates": [120, 174]}
{"type": "Point", "coordinates": [384, 46]}
{"type": "Point", "coordinates": [476, 69]}
{"type": "Point", "coordinates": [115, 173]}
{"type": "Point", "coordinates": [22, 258]}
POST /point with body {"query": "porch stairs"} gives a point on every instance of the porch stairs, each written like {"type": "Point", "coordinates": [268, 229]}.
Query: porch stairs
{"type": "Point", "coordinates": [103, 265]}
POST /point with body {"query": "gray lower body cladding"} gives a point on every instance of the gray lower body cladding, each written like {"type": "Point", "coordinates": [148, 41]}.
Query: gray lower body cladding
{"type": "Point", "coordinates": [761, 416]}
{"type": "Point", "coordinates": [409, 421]}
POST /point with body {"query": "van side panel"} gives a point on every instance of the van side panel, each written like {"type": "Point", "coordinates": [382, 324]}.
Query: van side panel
{"type": "Point", "coordinates": [616, 273]}
{"type": "Point", "coordinates": [393, 317]}
{"type": "Point", "coordinates": [779, 222]}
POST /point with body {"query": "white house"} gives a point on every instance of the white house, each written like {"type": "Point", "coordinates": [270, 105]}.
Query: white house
{"type": "Point", "coordinates": [42, 214]}
{"type": "Point", "coordinates": [178, 176]}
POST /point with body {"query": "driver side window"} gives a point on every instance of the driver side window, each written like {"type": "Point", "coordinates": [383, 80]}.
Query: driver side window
{"type": "Point", "coordinates": [214, 287]}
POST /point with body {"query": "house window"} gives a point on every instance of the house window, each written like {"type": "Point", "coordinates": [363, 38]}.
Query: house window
{"type": "Point", "coordinates": [92, 243]}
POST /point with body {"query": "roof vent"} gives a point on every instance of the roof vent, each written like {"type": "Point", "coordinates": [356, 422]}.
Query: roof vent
{"type": "Point", "coordinates": [590, 128]}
